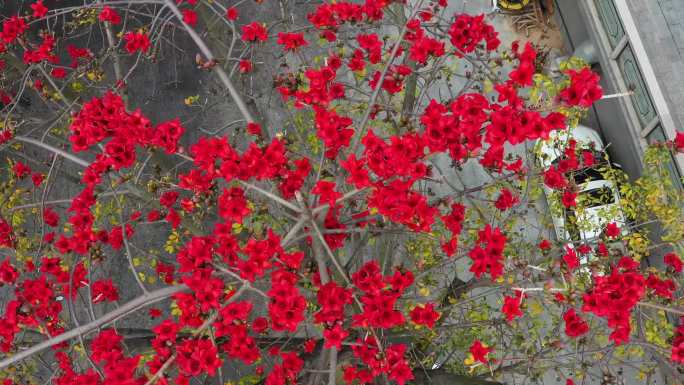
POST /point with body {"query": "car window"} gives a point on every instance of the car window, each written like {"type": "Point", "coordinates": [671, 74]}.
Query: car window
{"type": "Point", "coordinates": [597, 197]}
{"type": "Point", "coordinates": [587, 175]}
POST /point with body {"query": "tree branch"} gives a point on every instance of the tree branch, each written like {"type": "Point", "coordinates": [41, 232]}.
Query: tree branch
{"type": "Point", "coordinates": [144, 300]}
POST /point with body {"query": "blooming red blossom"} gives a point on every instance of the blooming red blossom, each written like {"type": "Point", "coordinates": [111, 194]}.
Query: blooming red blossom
{"type": "Point", "coordinates": [506, 200]}
{"type": "Point", "coordinates": [467, 32]}
{"type": "Point", "coordinates": [425, 315]}
{"type": "Point", "coordinates": [254, 31]}
{"type": "Point", "coordinates": [136, 41]}
{"type": "Point", "coordinates": [569, 199]}
{"type": "Point", "coordinates": [291, 41]}
{"type": "Point", "coordinates": [487, 255]}
{"type": "Point", "coordinates": [570, 258]}
{"type": "Point", "coordinates": [245, 66]}
{"type": "Point", "coordinates": [584, 88]}
{"type": "Point", "coordinates": [612, 230]}
{"type": "Point", "coordinates": [189, 17]}
{"type": "Point", "coordinates": [109, 15]}
{"type": "Point", "coordinates": [39, 9]}
{"type": "Point", "coordinates": [575, 326]}
{"type": "Point", "coordinates": [480, 351]}
{"type": "Point", "coordinates": [673, 260]}
{"type": "Point", "coordinates": [511, 306]}
{"type": "Point", "coordinates": [334, 336]}
{"type": "Point", "coordinates": [104, 290]}
{"type": "Point", "coordinates": [231, 13]}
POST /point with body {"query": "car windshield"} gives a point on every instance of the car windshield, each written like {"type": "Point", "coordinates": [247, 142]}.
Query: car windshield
{"type": "Point", "coordinates": [587, 175]}
{"type": "Point", "coordinates": [597, 197]}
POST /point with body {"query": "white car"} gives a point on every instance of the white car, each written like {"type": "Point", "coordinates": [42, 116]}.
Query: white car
{"type": "Point", "coordinates": [598, 199]}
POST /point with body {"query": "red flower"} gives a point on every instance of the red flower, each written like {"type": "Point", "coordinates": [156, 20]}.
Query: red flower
{"type": "Point", "coordinates": [545, 244]}
{"type": "Point", "coordinates": [37, 178]}
{"type": "Point", "coordinates": [554, 179]}
{"type": "Point", "coordinates": [254, 32]}
{"type": "Point", "coordinates": [245, 66]}
{"type": "Point", "coordinates": [50, 217]}
{"type": "Point", "coordinates": [575, 326]}
{"type": "Point", "coordinates": [21, 170]}
{"type": "Point", "coordinates": [254, 128]}
{"type": "Point", "coordinates": [468, 31]}
{"type": "Point", "coordinates": [58, 73]}
{"type": "Point", "coordinates": [612, 230]}
{"type": "Point", "coordinates": [109, 15]}
{"type": "Point", "coordinates": [679, 141]}
{"type": "Point", "coordinates": [569, 199]}
{"type": "Point", "coordinates": [487, 255]}
{"type": "Point", "coordinates": [511, 306]}
{"type": "Point", "coordinates": [136, 41]}
{"type": "Point", "coordinates": [424, 315]}
{"type": "Point", "coordinates": [12, 28]}
{"type": "Point", "coordinates": [480, 351]}
{"type": "Point", "coordinates": [233, 205]}
{"type": "Point", "coordinates": [673, 260]}
{"type": "Point", "coordinates": [584, 88]}
{"type": "Point", "coordinates": [291, 41]}
{"type": "Point", "coordinates": [8, 274]}
{"type": "Point", "coordinates": [39, 10]}
{"type": "Point", "coordinates": [189, 17]}
{"type": "Point", "coordinates": [506, 200]}
{"type": "Point", "coordinates": [334, 337]}
{"type": "Point", "coordinates": [570, 258]}
{"type": "Point", "coordinates": [310, 345]}
{"type": "Point", "coordinates": [104, 290]}
{"type": "Point", "coordinates": [231, 13]}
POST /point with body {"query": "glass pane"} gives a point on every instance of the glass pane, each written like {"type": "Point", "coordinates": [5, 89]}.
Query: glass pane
{"type": "Point", "coordinates": [641, 100]}
{"type": "Point", "coordinates": [610, 21]}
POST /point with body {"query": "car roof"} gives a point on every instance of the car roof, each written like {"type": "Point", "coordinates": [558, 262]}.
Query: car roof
{"type": "Point", "coordinates": [552, 148]}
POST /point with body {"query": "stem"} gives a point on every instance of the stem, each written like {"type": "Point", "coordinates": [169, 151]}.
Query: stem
{"type": "Point", "coordinates": [378, 87]}
{"type": "Point", "coordinates": [272, 196]}
{"type": "Point", "coordinates": [660, 307]}
{"type": "Point", "coordinates": [223, 77]}
{"type": "Point", "coordinates": [125, 309]}
{"type": "Point", "coordinates": [55, 150]}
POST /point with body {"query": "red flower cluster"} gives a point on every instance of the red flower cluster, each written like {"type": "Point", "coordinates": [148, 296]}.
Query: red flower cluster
{"type": "Point", "coordinates": [673, 260]}
{"type": "Point", "coordinates": [480, 351]}
{"type": "Point", "coordinates": [487, 255]}
{"type": "Point", "coordinates": [422, 46]}
{"type": "Point", "coordinates": [575, 326]}
{"type": "Point", "coordinates": [286, 307]}
{"type": "Point", "coordinates": [678, 343]}
{"type": "Point", "coordinates": [613, 297]}
{"type": "Point", "coordinates": [12, 28]}
{"type": "Point", "coordinates": [511, 306]}
{"type": "Point", "coordinates": [393, 363]}
{"type": "Point", "coordinates": [254, 31]}
{"type": "Point", "coordinates": [393, 81]}
{"type": "Point", "coordinates": [584, 88]}
{"type": "Point", "coordinates": [291, 41]}
{"type": "Point", "coordinates": [378, 302]}
{"type": "Point", "coordinates": [109, 15]}
{"type": "Point", "coordinates": [523, 74]}
{"type": "Point", "coordinates": [136, 41]}
{"type": "Point", "coordinates": [287, 372]}
{"type": "Point", "coordinates": [467, 32]}
{"type": "Point", "coordinates": [425, 315]}
{"type": "Point", "coordinates": [118, 370]}
{"type": "Point", "coordinates": [195, 356]}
